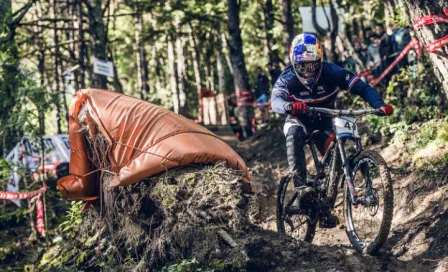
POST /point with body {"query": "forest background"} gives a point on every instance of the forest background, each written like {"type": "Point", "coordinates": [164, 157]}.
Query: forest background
{"type": "Point", "coordinates": [166, 52]}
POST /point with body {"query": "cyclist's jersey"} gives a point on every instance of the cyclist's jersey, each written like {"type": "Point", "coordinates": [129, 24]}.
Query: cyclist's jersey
{"type": "Point", "coordinates": [333, 78]}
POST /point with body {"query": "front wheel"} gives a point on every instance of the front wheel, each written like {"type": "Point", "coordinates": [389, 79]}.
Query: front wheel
{"type": "Point", "coordinates": [368, 222]}
{"type": "Point", "coordinates": [290, 219]}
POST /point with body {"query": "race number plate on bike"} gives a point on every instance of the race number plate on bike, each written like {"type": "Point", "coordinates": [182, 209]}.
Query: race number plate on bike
{"type": "Point", "coordinates": [345, 127]}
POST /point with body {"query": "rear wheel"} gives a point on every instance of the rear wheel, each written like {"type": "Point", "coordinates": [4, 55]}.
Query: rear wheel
{"type": "Point", "coordinates": [290, 219]}
{"type": "Point", "coordinates": [368, 223]}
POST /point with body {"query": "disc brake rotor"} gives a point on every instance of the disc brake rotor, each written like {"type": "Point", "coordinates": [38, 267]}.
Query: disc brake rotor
{"type": "Point", "coordinates": [373, 209]}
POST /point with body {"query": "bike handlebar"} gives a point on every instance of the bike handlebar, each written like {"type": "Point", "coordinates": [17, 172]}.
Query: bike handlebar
{"type": "Point", "coordinates": [336, 113]}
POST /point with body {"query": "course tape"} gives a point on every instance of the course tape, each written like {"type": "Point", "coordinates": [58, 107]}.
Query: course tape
{"type": "Point", "coordinates": [431, 20]}
{"type": "Point", "coordinates": [402, 54]}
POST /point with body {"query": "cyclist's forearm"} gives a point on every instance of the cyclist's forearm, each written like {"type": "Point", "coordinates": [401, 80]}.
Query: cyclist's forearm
{"type": "Point", "coordinates": [279, 99]}
{"type": "Point", "coordinates": [368, 93]}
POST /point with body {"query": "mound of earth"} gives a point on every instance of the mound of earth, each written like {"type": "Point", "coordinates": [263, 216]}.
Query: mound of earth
{"type": "Point", "coordinates": [185, 213]}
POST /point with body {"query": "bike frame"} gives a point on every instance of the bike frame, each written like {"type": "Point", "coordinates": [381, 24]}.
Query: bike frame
{"type": "Point", "coordinates": [340, 142]}
{"type": "Point", "coordinates": [346, 161]}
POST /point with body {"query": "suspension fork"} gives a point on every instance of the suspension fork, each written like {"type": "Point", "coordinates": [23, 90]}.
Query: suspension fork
{"type": "Point", "coordinates": [348, 171]}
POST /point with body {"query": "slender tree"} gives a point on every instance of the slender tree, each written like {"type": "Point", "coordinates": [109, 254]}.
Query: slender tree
{"type": "Point", "coordinates": [288, 28]}
{"type": "Point", "coordinates": [142, 63]}
{"type": "Point", "coordinates": [268, 19]}
{"type": "Point", "coordinates": [56, 78]}
{"type": "Point", "coordinates": [9, 70]}
{"type": "Point", "coordinates": [98, 40]}
{"type": "Point", "coordinates": [240, 76]}
{"type": "Point", "coordinates": [181, 72]}
{"type": "Point", "coordinates": [197, 73]}
{"type": "Point", "coordinates": [173, 75]}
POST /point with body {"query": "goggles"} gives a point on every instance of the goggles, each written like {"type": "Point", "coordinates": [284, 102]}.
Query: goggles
{"type": "Point", "coordinates": [307, 69]}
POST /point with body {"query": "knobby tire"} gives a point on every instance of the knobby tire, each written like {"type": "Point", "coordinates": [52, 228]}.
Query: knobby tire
{"type": "Point", "coordinates": [388, 199]}
{"type": "Point", "coordinates": [310, 228]}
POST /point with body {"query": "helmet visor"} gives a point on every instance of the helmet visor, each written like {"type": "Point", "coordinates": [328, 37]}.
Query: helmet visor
{"type": "Point", "coordinates": [307, 70]}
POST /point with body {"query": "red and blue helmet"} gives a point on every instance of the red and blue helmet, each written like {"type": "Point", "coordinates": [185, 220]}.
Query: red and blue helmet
{"type": "Point", "coordinates": [306, 57]}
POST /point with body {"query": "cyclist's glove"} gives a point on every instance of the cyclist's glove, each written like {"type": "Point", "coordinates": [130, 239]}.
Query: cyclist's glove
{"type": "Point", "coordinates": [387, 110]}
{"type": "Point", "coordinates": [296, 108]}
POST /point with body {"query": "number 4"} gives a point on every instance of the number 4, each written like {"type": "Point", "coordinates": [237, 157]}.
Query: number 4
{"type": "Point", "coordinates": [347, 125]}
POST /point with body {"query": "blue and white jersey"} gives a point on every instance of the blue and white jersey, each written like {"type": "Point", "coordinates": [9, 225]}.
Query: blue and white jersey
{"type": "Point", "coordinates": [333, 78]}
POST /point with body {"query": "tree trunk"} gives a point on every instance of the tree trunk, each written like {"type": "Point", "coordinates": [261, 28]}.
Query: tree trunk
{"type": "Point", "coordinates": [226, 54]}
{"type": "Point", "coordinates": [173, 75]}
{"type": "Point", "coordinates": [118, 87]}
{"type": "Point", "coordinates": [8, 84]}
{"type": "Point", "coordinates": [142, 63]}
{"type": "Point", "coordinates": [181, 73]}
{"type": "Point", "coordinates": [220, 61]}
{"type": "Point", "coordinates": [71, 35]}
{"type": "Point", "coordinates": [288, 28]}
{"type": "Point", "coordinates": [56, 80]}
{"type": "Point", "coordinates": [427, 34]}
{"type": "Point", "coordinates": [240, 76]}
{"type": "Point", "coordinates": [97, 41]}
{"type": "Point", "coordinates": [268, 18]}
{"type": "Point", "coordinates": [209, 59]}
{"type": "Point", "coordinates": [81, 46]}
{"type": "Point", "coordinates": [197, 73]}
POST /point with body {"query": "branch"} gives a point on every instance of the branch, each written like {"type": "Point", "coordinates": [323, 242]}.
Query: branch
{"type": "Point", "coordinates": [122, 14]}
{"type": "Point", "coordinates": [51, 47]}
{"type": "Point", "coordinates": [21, 13]}
{"type": "Point", "coordinates": [89, 6]}
{"type": "Point", "coordinates": [319, 29]}
{"type": "Point", "coordinates": [106, 7]}
{"type": "Point", "coordinates": [49, 20]}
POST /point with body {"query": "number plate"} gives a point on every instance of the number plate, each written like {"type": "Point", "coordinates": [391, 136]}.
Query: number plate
{"type": "Point", "coordinates": [345, 127]}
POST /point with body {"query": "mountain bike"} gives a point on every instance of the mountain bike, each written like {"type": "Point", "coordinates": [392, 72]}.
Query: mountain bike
{"type": "Point", "coordinates": [363, 175]}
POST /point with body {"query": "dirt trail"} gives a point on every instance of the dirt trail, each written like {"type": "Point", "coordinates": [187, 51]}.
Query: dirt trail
{"type": "Point", "coordinates": [418, 240]}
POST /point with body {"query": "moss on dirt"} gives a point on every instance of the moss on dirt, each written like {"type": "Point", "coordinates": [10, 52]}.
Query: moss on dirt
{"type": "Point", "coordinates": [158, 221]}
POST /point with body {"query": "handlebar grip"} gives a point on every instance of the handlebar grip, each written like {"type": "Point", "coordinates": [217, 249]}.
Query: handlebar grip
{"type": "Point", "coordinates": [379, 112]}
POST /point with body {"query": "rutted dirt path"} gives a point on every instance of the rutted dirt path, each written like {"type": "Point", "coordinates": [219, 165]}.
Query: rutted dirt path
{"type": "Point", "coordinates": [418, 240]}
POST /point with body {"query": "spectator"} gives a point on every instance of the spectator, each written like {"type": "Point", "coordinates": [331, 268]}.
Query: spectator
{"type": "Point", "coordinates": [373, 54]}
{"type": "Point", "coordinates": [367, 32]}
{"type": "Point", "coordinates": [360, 50]}
{"type": "Point", "coordinates": [385, 46]}
{"type": "Point", "coordinates": [274, 71]}
{"type": "Point", "coordinates": [233, 117]}
{"type": "Point", "coordinates": [400, 38]}
{"type": "Point", "coordinates": [262, 94]}
{"type": "Point", "coordinates": [349, 63]}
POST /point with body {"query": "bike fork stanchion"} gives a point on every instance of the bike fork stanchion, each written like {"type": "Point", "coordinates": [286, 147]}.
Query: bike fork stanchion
{"type": "Point", "coordinates": [348, 176]}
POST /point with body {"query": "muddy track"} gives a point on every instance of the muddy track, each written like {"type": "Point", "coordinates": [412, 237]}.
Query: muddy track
{"type": "Point", "coordinates": [418, 240]}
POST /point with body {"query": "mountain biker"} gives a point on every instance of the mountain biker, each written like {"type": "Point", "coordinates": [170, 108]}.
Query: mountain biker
{"type": "Point", "coordinates": [311, 81]}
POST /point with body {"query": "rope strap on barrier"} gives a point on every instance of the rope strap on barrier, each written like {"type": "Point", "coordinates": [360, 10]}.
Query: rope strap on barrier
{"type": "Point", "coordinates": [36, 198]}
{"type": "Point", "coordinates": [22, 195]}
